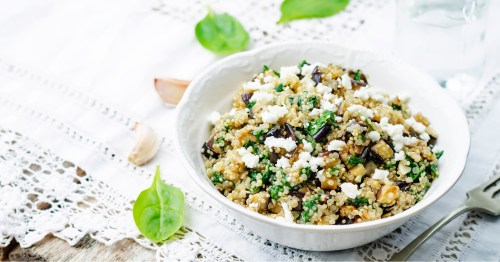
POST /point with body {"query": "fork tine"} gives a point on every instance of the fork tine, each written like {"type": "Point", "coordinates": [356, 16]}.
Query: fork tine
{"type": "Point", "coordinates": [493, 182]}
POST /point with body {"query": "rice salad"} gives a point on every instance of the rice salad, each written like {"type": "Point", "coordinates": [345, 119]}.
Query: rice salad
{"type": "Point", "coordinates": [317, 144]}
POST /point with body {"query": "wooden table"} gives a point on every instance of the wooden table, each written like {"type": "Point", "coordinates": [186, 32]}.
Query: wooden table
{"type": "Point", "coordinates": [55, 249]}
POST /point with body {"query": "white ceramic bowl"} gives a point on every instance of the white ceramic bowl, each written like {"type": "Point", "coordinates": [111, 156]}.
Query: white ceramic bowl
{"type": "Point", "coordinates": [213, 90]}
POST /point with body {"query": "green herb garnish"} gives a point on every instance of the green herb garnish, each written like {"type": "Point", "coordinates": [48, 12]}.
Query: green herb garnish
{"type": "Point", "coordinates": [328, 117]}
{"type": "Point", "coordinates": [370, 127]}
{"type": "Point", "coordinates": [354, 160]}
{"type": "Point", "coordinates": [313, 100]}
{"type": "Point", "coordinates": [159, 210]}
{"type": "Point", "coordinates": [279, 88]}
{"type": "Point", "coordinates": [300, 9]}
{"type": "Point", "coordinates": [309, 207]}
{"type": "Point", "coordinates": [221, 33]}
{"type": "Point", "coordinates": [265, 68]}
{"type": "Point", "coordinates": [396, 107]}
{"type": "Point", "coordinates": [276, 73]}
{"type": "Point", "coordinates": [357, 77]}
{"type": "Point", "coordinates": [439, 154]}
{"type": "Point", "coordinates": [358, 201]}
{"type": "Point", "coordinates": [302, 63]}
{"type": "Point", "coordinates": [258, 133]}
{"type": "Point", "coordinates": [251, 104]}
{"type": "Point", "coordinates": [275, 191]}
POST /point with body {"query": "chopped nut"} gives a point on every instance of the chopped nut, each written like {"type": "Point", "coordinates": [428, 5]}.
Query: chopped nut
{"type": "Point", "coordinates": [346, 210]}
{"type": "Point", "coordinates": [388, 195]}
{"type": "Point", "coordinates": [329, 183]}
{"type": "Point", "coordinates": [383, 150]}
{"type": "Point", "coordinates": [259, 201]}
{"type": "Point", "coordinates": [358, 170]}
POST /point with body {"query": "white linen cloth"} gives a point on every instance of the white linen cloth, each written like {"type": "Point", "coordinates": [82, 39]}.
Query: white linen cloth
{"type": "Point", "coordinates": [76, 75]}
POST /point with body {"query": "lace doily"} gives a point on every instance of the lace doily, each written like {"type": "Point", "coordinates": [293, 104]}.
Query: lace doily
{"type": "Point", "coordinates": [49, 187]}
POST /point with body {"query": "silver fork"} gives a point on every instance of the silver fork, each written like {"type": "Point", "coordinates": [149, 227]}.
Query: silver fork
{"type": "Point", "coordinates": [484, 198]}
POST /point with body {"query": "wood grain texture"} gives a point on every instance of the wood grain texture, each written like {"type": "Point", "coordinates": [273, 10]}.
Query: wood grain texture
{"type": "Point", "coordinates": [55, 249]}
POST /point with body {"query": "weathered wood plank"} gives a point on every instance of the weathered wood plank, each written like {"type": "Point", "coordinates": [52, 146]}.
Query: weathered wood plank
{"type": "Point", "coordinates": [55, 249]}
{"type": "Point", "coordinates": [4, 251]}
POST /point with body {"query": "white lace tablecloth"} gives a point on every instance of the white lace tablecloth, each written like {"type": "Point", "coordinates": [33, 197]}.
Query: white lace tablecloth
{"type": "Point", "coordinates": [76, 75]}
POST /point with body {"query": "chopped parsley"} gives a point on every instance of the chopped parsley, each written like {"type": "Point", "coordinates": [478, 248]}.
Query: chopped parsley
{"type": "Point", "coordinates": [302, 63]}
{"type": "Point", "coordinates": [370, 127]}
{"type": "Point", "coordinates": [439, 154]}
{"type": "Point", "coordinates": [354, 160]}
{"type": "Point", "coordinates": [251, 104]}
{"type": "Point", "coordinates": [357, 77]}
{"type": "Point", "coordinates": [258, 133]}
{"type": "Point", "coordinates": [275, 191]}
{"type": "Point", "coordinates": [363, 137]}
{"type": "Point", "coordinates": [389, 165]}
{"type": "Point", "coordinates": [249, 143]}
{"type": "Point", "coordinates": [307, 171]}
{"type": "Point", "coordinates": [309, 207]}
{"type": "Point", "coordinates": [332, 171]}
{"type": "Point", "coordinates": [279, 88]}
{"type": "Point", "coordinates": [396, 107]}
{"type": "Point", "coordinates": [358, 201]}
{"type": "Point", "coordinates": [265, 68]}
{"type": "Point", "coordinates": [218, 178]}
{"type": "Point", "coordinates": [313, 100]}
{"type": "Point", "coordinates": [415, 170]}
{"type": "Point", "coordinates": [432, 169]}
{"type": "Point", "coordinates": [276, 73]}
{"type": "Point", "coordinates": [328, 117]}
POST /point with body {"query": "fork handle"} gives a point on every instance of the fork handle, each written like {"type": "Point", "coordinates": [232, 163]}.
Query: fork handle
{"type": "Point", "coordinates": [403, 254]}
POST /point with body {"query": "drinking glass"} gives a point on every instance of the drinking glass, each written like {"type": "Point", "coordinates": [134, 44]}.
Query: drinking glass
{"type": "Point", "coordinates": [443, 37]}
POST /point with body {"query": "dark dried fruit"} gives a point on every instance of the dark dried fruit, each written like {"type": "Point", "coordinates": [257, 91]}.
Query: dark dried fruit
{"type": "Point", "coordinates": [322, 133]}
{"type": "Point", "coordinates": [403, 185]}
{"type": "Point", "coordinates": [207, 149]}
{"type": "Point", "coordinates": [273, 157]}
{"type": "Point", "coordinates": [316, 75]}
{"type": "Point", "coordinates": [289, 132]}
{"type": "Point", "coordinates": [246, 98]}
{"type": "Point", "coordinates": [275, 132]}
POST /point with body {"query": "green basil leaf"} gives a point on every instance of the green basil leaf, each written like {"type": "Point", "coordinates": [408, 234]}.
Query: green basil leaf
{"type": "Point", "coordinates": [159, 210]}
{"type": "Point", "coordinates": [300, 9]}
{"type": "Point", "coordinates": [221, 33]}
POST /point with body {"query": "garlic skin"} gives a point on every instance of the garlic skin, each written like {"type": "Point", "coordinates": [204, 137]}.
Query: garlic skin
{"type": "Point", "coordinates": [170, 90]}
{"type": "Point", "coordinates": [146, 145]}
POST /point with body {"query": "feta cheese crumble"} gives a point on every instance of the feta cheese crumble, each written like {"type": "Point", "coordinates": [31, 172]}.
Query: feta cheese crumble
{"type": "Point", "coordinates": [307, 146]}
{"type": "Point", "coordinates": [395, 132]}
{"type": "Point", "coordinates": [351, 190]}
{"type": "Point", "coordinates": [336, 145]}
{"type": "Point", "coordinates": [288, 74]}
{"type": "Point", "coordinates": [374, 136]}
{"type": "Point", "coordinates": [287, 214]}
{"type": "Point", "coordinates": [399, 156]}
{"type": "Point", "coordinates": [251, 160]}
{"type": "Point", "coordinates": [361, 111]}
{"type": "Point", "coordinates": [214, 117]}
{"type": "Point", "coordinates": [416, 126]}
{"type": "Point", "coordinates": [380, 174]}
{"type": "Point", "coordinates": [262, 97]}
{"type": "Point", "coordinates": [272, 114]}
{"type": "Point", "coordinates": [287, 143]}
{"type": "Point", "coordinates": [346, 81]}
{"type": "Point", "coordinates": [283, 162]}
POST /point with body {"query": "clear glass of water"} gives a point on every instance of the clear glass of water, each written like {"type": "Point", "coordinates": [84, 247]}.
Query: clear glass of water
{"type": "Point", "coordinates": [443, 37]}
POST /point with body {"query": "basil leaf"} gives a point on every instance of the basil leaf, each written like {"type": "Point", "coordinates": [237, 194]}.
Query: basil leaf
{"type": "Point", "coordinates": [300, 9]}
{"type": "Point", "coordinates": [221, 33]}
{"type": "Point", "coordinates": [159, 210]}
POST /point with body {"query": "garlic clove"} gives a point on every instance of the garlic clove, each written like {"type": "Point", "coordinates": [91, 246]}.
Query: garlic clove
{"type": "Point", "coordinates": [170, 89]}
{"type": "Point", "coordinates": [146, 146]}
